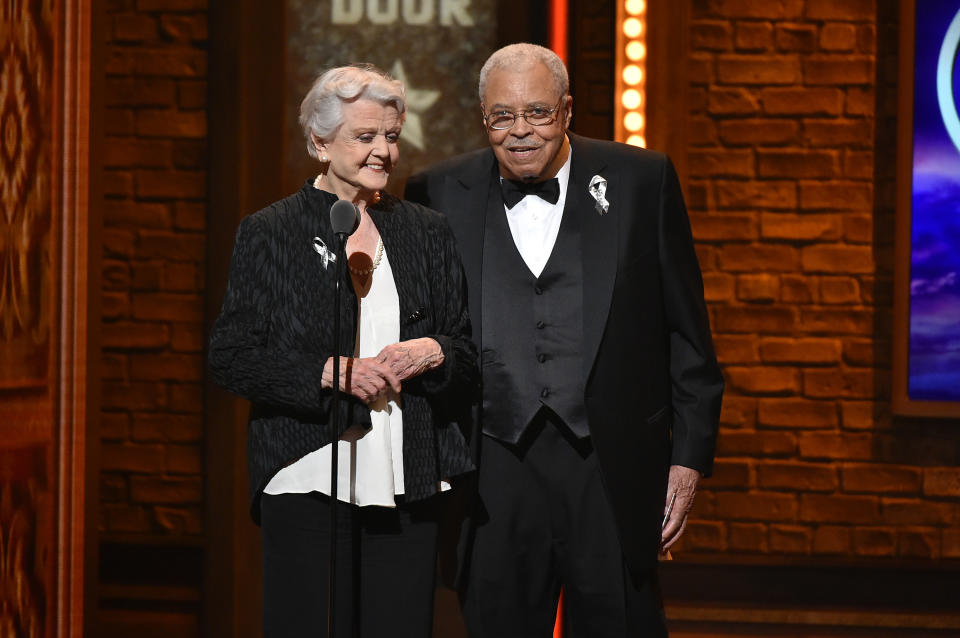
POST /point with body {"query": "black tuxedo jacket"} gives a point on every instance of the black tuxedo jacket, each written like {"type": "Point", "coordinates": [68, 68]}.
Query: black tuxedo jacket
{"type": "Point", "coordinates": [652, 383]}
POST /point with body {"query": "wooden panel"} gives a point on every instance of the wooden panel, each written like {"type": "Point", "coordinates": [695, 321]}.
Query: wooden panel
{"type": "Point", "coordinates": [26, 540]}
{"type": "Point", "coordinates": [668, 45]}
{"type": "Point", "coordinates": [246, 106]}
{"type": "Point", "coordinates": [591, 67]}
{"type": "Point", "coordinates": [728, 595]}
{"type": "Point", "coordinates": [28, 596]}
{"type": "Point", "coordinates": [44, 66]}
{"type": "Point", "coordinates": [26, 106]}
{"type": "Point", "coordinates": [76, 251]}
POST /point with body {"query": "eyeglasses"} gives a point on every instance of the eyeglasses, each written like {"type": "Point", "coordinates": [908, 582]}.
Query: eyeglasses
{"type": "Point", "coordinates": [536, 116]}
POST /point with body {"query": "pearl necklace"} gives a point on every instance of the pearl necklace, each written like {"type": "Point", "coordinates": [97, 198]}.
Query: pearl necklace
{"type": "Point", "coordinates": [363, 272]}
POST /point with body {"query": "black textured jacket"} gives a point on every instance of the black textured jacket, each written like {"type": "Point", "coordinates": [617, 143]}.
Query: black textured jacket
{"type": "Point", "coordinates": [275, 333]}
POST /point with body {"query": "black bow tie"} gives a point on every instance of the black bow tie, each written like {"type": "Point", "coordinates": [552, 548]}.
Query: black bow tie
{"type": "Point", "coordinates": [513, 191]}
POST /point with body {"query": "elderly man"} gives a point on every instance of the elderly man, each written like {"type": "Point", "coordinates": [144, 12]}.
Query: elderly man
{"type": "Point", "coordinates": [601, 390]}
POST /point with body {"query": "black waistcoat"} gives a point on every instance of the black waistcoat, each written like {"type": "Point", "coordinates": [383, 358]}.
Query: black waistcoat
{"type": "Point", "coordinates": [532, 330]}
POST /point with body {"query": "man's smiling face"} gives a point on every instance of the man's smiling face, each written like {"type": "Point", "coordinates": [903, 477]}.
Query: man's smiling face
{"type": "Point", "coordinates": [525, 152]}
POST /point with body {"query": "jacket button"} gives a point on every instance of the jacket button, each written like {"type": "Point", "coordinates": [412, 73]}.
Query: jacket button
{"type": "Point", "coordinates": [538, 290]}
{"type": "Point", "coordinates": [544, 393]}
{"type": "Point", "coordinates": [541, 358]}
{"type": "Point", "coordinates": [540, 325]}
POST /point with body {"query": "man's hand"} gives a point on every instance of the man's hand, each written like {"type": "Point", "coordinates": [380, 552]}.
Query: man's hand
{"type": "Point", "coordinates": [681, 486]}
{"type": "Point", "coordinates": [411, 358]}
{"type": "Point", "coordinates": [366, 378]}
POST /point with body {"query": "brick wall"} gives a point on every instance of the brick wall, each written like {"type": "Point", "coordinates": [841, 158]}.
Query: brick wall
{"type": "Point", "coordinates": [153, 266]}
{"type": "Point", "coordinates": [792, 166]}
{"type": "Point", "coordinates": [790, 188]}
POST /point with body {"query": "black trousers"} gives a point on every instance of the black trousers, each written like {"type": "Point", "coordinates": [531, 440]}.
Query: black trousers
{"type": "Point", "coordinates": [386, 562]}
{"type": "Point", "coordinates": [547, 524]}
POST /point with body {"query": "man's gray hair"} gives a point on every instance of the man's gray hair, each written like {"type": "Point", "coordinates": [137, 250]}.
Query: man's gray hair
{"type": "Point", "coordinates": [321, 112]}
{"type": "Point", "coordinates": [521, 57]}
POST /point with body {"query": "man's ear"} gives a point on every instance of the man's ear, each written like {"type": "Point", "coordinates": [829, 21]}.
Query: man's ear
{"type": "Point", "coordinates": [568, 112]}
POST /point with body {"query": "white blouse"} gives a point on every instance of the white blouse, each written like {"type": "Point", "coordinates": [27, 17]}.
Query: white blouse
{"type": "Point", "coordinates": [370, 463]}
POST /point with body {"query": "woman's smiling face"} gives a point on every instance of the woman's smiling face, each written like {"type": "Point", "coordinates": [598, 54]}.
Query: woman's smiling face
{"type": "Point", "coordinates": [365, 149]}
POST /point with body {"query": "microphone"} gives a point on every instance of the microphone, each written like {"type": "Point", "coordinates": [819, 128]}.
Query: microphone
{"type": "Point", "coordinates": [344, 217]}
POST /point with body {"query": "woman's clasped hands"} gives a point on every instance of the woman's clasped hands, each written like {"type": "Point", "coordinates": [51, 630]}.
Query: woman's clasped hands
{"type": "Point", "coordinates": [369, 378]}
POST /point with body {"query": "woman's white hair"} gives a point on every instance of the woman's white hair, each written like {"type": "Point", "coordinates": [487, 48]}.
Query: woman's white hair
{"type": "Point", "coordinates": [321, 112]}
{"type": "Point", "coordinates": [522, 56]}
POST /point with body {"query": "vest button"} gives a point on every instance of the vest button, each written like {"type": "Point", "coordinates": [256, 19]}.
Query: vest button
{"type": "Point", "coordinates": [538, 290]}
{"type": "Point", "coordinates": [544, 393]}
{"type": "Point", "coordinates": [541, 358]}
{"type": "Point", "coordinates": [540, 325]}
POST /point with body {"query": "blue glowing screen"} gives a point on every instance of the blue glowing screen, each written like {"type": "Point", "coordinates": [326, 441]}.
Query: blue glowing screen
{"type": "Point", "coordinates": [934, 368]}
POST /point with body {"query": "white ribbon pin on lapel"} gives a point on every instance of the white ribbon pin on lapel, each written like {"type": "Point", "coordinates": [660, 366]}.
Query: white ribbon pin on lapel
{"type": "Point", "coordinates": [326, 255]}
{"type": "Point", "coordinates": [598, 188]}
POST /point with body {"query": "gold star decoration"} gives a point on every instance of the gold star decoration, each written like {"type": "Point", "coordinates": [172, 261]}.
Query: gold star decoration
{"type": "Point", "coordinates": [418, 101]}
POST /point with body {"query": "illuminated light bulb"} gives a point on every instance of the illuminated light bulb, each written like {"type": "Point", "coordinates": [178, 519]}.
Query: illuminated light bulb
{"type": "Point", "coordinates": [632, 28]}
{"type": "Point", "coordinates": [636, 51]}
{"type": "Point", "coordinates": [636, 7]}
{"type": "Point", "coordinates": [633, 122]}
{"type": "Point", "coordinates": [637, 140]}
{"type": "Point", "coordinates": [632, 74]}
{"type": "Point", "coordinates": [631, 99]}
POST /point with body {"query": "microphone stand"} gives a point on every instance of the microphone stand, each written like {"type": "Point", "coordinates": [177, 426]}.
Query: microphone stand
{"type": "Point", "coordinates": [335, 443]}
{"type": "Point", "coordinates": [344, 220]}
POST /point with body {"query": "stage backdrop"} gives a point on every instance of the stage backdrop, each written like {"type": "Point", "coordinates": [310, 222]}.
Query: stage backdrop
{"type": "Point", "coordinates": [930, 212]}
{"type": "Point", "coordinates": [435, 47]}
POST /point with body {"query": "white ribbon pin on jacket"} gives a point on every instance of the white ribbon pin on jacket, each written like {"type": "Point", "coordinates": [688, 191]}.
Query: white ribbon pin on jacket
{"type": "Point", "coordinates": [598, 188]}
{"type": "Point", "coordinates": [326, 255]}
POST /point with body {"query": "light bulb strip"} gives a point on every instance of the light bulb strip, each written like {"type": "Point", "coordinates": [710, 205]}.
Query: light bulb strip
{"type": "Point", "coordinates": [631, 70]}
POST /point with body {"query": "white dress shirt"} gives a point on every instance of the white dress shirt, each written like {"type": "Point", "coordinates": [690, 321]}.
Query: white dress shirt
{"type": "Point", "coordinates": [535, 223]}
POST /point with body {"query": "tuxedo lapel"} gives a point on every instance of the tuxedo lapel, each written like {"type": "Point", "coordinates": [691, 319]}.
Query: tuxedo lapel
{"type": "Point", "coordinates": [466, 195]}
{"type": "Point", "coordinates": [598, 236]}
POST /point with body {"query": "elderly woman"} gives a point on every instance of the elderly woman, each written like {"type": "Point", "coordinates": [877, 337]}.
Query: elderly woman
{"type": "Point", "coordinates": [411, 373]}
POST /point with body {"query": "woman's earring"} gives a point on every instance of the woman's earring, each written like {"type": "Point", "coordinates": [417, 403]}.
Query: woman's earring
{"type": "Point", "coordinates": [324, 160]}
